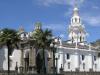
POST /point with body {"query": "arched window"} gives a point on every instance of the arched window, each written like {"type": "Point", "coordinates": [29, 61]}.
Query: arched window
{"type": "Point", "coordinates": [68, 65]}
{"type": "Point", "coordinates": [83, 57]}
{"type": "Point", "coordinates": [75, 19]}
{"type": "Point", "coordinates": [80, 38]}
{"type": "Point", "coordinates": [67, 56]}
{"type": "Point", "coordinates": [94, 58]}
{"type": "Point", "coordinates": [72, 39]}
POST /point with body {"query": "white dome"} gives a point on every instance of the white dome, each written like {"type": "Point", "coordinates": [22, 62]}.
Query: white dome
{"type": "Point", "coordinates": [75, 9]}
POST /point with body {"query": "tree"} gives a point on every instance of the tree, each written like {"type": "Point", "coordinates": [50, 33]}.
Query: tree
{"type": "Point", "coordinates": [42, 41]}
{"type": "Point", "coordinates": [46, 41]}
{"type": "Point", "coordinates": [9, 38]}
{"type": "Point", "coordinates": [96, 44]}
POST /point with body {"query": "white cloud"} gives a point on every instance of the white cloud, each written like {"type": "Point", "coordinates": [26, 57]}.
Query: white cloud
{"type": "Point", "coordinates": [49, 2]}
{"type": "Point", "coordinates": [69, 12]}
{"type": "Point", "coordinates": [92, 20]}
{"type": "Point", "coordinates": [60, 2]}
{"type": "Point", "coordinates": [72, 3]}
{"type": "Point", "coordinates": [95, 7]}
{"type": "Point", "coordinates": [88, 17]}
{"type": "Point", "coordinates": [54, 26]}
{"type": "Point", "coordinates": [60, 29]}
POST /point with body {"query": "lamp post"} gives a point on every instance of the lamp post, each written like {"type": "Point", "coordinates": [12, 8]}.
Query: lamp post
{"type": "Point", "coordinates": [53, 46]}
{"type": "Point", "coordinates": [56, 64]}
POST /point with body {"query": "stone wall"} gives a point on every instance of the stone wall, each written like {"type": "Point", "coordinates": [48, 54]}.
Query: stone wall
{"type": "Point", "coordinates": [64, 73]}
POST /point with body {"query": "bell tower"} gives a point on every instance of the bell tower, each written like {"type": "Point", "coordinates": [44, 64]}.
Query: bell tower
{"type": "Point", "coordinates": [76, 29]}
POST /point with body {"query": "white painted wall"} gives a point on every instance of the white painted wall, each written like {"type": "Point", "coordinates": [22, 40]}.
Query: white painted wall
{"type": "Point", "coordinates": [88, 62]}
{"type": "Point", "coordinates": [76, 60]}
{"type": "Point", "coordinates": [15, 58]}
{"type": "Point", "coordinates": [5, 59]}
{"type": "Point", "coordinates": [60, 60]}
{"type": "Point", "coordinates": [98, 63]}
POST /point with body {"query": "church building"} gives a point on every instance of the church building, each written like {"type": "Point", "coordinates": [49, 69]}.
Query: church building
{"type": "Point", "coordinates": [76, 54]}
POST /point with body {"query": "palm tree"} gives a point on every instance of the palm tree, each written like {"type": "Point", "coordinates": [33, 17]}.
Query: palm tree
{"type": "Point", "coordinates": [46, 41]}
{"type": "Point", "coordinates": [42, 41]}
{"type": "Point", "coordinates": [9, 38]}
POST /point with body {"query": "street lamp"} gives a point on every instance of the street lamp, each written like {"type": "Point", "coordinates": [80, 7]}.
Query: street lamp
{"type": "Point", "coordinates": [53, 46]}
{"type": "Point", "coordinates": [56, 64]}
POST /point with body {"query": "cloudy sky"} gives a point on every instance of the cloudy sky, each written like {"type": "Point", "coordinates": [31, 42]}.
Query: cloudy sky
{"type": "Point", "coordinates": [54, 14]}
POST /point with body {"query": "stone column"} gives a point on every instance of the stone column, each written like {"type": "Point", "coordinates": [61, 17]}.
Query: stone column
{"type": "Point", "coordinates": [32, 58]}
{"type": "Point", "coordinates": [90, 62]}
{"type": "Point", "coordinates": [50, 62]}
{"type": "Point", "coordinates": [22, 56]}
{"type": "Point", "coordinates": [77, 61]}
{"type": "Point", "coordinates": [22, 61]}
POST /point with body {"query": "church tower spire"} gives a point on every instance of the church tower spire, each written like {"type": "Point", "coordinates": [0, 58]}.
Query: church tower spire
{"type": "Point", "coordinates": [77, 31]}
{"type": "Point", "coordinates": [75, 17]}
{"type": "Point", "coordinates": [75, 11]}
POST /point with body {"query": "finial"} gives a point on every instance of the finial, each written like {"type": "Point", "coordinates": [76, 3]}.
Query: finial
{"type": "Point", "coordinates": [75, 8]}
{"type": "Point", "coordinates": [38, 25]}
{"type": "Point", "coordinates": [21, 29]}
{"type": "Point", "coordinates": [75, 5]}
